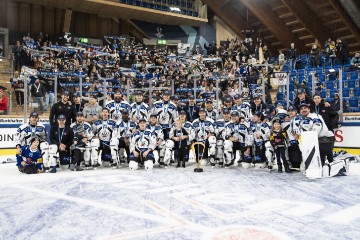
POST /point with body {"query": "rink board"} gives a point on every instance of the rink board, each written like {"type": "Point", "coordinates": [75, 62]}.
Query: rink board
{"type": "Point", "coordinates": [178, 204]}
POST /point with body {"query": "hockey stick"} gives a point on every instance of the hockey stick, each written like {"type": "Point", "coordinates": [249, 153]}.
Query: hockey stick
{"type": "Point", "coordinates": [9, 160]}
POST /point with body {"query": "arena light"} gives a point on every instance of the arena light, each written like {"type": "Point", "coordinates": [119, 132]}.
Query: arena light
{"type": "Point", "coordinates": [175, 9]}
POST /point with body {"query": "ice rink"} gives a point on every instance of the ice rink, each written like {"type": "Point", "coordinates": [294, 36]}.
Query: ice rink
{"type": "Point", "coordinates": [226, 204]}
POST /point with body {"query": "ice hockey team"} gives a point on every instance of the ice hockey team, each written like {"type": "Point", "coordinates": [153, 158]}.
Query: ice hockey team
{"type": "Point", "coordinates": [138, 136]}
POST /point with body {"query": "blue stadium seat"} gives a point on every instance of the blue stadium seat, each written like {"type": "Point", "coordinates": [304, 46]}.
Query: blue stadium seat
{"type": "Point", "coordinates": [347, 69]}
{"type": "Point", "coordinates": [322, 77]}
{"type": "Point", "coordinates": [280, 96]}
{"type": "Point", "coordinates": [346, 92]}
{"type": "Point", "coordinates": [357, 93]}
{"type": "Point", "coordinates": [195, 14]}
{"type": "Point", "coordinates": [286, 68]}
{"type": "Point", "coordinates": [293, 73]}
{"type": "Point", "coordinates": [356, 109]}
{"type": "Point", "coordinates": [319, 70]}
{"type": "Point", "coordinates": [301, 72]}
{"type": "Point", "coordinates": [332, 93]}
{"type": "Point", "coordinates": [330, 85]}
{"type": "Point", "coordinates": [301, 79]}
{"type": "Point", "coordinates": [354, 102]}
{"type": "Point", "coordinates": [354, 75]}
{"type": "Point", "coordinates": [282, 102]}
{"type": "Point", "coordinates": [351, 83]}
{"type": "Point", "coordinates": [323, 94]}
{"type": "Point", "coordinates": [291, 87]}
{"type": "Point", "coordinates": [332, 77]}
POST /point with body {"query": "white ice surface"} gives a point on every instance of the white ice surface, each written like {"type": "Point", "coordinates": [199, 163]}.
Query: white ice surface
{"type": "Point", "coordinates": [178, 204]}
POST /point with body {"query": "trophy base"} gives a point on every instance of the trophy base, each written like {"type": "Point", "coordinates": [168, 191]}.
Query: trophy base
{"type": "Point", "coordinates": [198, 170]}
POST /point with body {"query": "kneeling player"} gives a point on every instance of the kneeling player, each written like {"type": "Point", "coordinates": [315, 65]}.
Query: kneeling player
{"type": "Point", "coordinates": [142, 145]}
{"type": "Point", "coordinates": [29, 159]}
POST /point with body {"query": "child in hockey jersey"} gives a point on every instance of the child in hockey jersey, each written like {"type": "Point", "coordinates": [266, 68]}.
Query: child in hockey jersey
{"type": "Point", "coordinates": [180, 135]}
{"type": "Point", "coordinates": [29, 158]}
{"type": "Point", "coordinates": [278, 138]}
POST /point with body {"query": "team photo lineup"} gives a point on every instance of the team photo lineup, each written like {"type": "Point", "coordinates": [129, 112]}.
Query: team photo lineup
{"type": "Point", "coordinates": [229, 126]}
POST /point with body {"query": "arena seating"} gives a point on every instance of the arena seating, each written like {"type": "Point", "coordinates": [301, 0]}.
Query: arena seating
{"type": "Point", "coordinates": [328, 82]}
{"type": "Point", "coordinates": [186, 7]}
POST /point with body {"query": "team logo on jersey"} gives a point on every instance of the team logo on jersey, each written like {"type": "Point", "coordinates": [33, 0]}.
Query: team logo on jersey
{"type": "Point", "coordinates": [143, 144]}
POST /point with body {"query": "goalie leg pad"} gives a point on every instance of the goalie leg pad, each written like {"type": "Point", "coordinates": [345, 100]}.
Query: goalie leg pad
{"type": "Point", "coordinates": [269, 153]}
{"type": "Point", "coordinates": [220, 151]}
{"type": "Point", "coordinates": [133, 165]}
{"type": "Point", "coordinates": [87, 153]}
{"type": "Point", "coordinates": [336, 167]}
{"type": "Point", "coordinates": [169, 145]}
{"type": "Point", "coordinates": [228, 152]}
{"type": "Point", "coordinates": [149, 164]}
{"type": "Point", "coordinates": [212, 150]}
{"type": "Point", "coordinates": [44, 147]}
{"type": "Point", "coordinates": [95, 145]}
{"type": "Point", "coordinates": [53, 155]}
{"type": "Point", "coordinates": [114, 147]}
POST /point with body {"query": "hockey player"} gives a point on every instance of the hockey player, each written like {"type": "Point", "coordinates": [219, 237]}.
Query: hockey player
{"type": "Point", "coordinates": [156, 129]}
{"type": "Point", "coordinates": [29, 158]}
{"type": "Point", "coordinates": [291, 126]}
{"type": "Point", "coordinates": [204, 132]}
{"type": "Point", "coordinates": [180, 136]}
{"type": "Point", "coordinates": [63, 107]}
{"type": "Point", "coordinates": [220, 133]}
{"type": "Point", "coordinates": [142, 144]}
{"type": "Point", "coordinates": [228, 103]}
{"type": "Point", "coordinates": [116, 107]}
{"type": "Point", "coordinates": [261, 132]}
{"type": "Point", "coordinates": [166, 112]}
{"type": "Point", "coordinates": [139, 109]}
{"type": "Point", "coordinates": [314, 122]}
{"type": "Point", "coordinates": [209, 109]}
{"type": "Point", "coordinates": [82, 146]}
{"type": "Point", "coordinates": [243, 108]}
{"type": "Point", "coordinates": [103, 130]}
{"type": "Point", "coordinates": [30, 130]}
{"type": "Point", "coordinates": [242, 139]}
{"type": "Point", "coordinates": [121, 139]}
{"type": "Point", "coordinates": [62, 136]}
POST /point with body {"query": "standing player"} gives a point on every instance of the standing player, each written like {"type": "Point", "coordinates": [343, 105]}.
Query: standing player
{"type": "Point", "coordinates": [139, 109]}
{"type": "Point", "coordinates": [209, 109]}
{"type": "Point", "coordinates": [243, 108]}
{"type": "Point", "coordinates": [142, 144]}
{"type": "Point", "coordinates": [62, 136]}
{"type": "Point", "coordinates": [103, 130]}
{"type": "Point", "coordinates": [203, 130]}
{"type": "Point", "coordinates": [115, 108]}
{"type": "Point", "coordinates": [166, 112]}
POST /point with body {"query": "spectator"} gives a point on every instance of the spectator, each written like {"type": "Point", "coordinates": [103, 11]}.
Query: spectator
{"type": "Point", "coordinates": [281, 58]}
{"type": "Point", "coordinates": [3, 103]}
{"type": "Point", "coordinates": [18, 85]}
{"type": "Point", "coordinates": [343, 50]}
{"type": "Point", "coordinates": [38, 93]}
{"type": "Point", "coordinates": [301, 86]}
{"type": "Point", "coordinates": [314, 56]}
{"type": "Point", "coordinates": [49, 96]}
{"type": "Point", "coordinates": [355, 61]}
{"type": "Point", "coordinates": [292, 55]}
